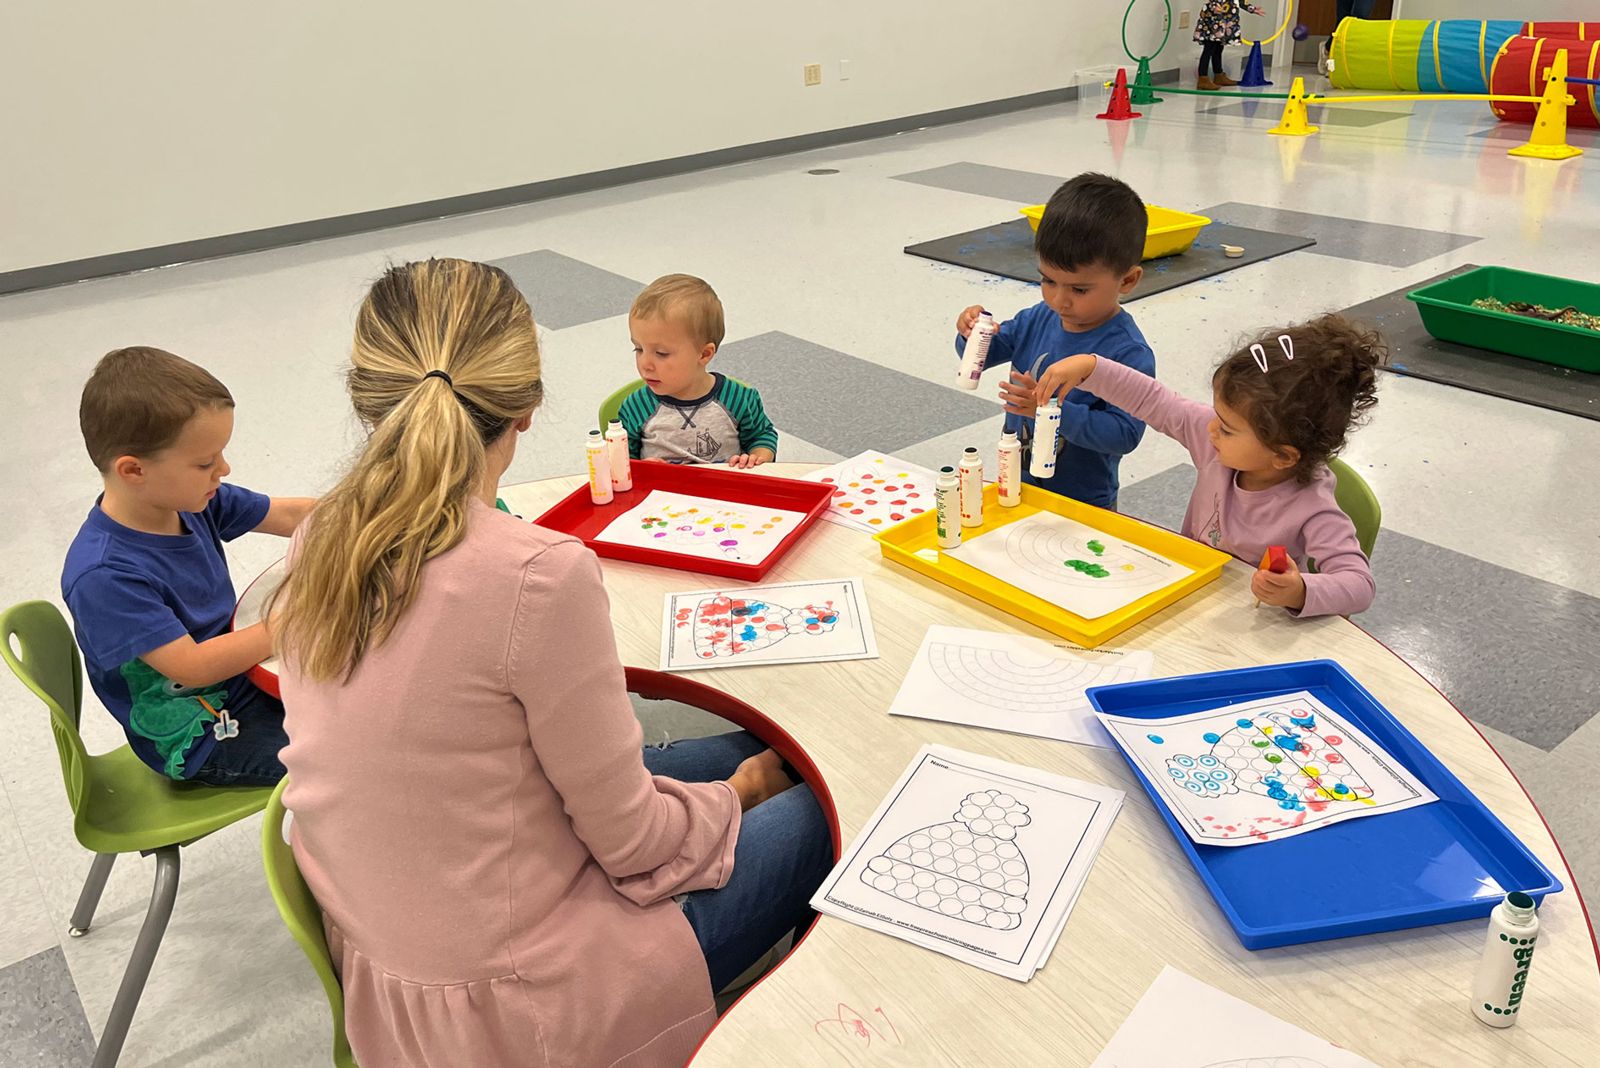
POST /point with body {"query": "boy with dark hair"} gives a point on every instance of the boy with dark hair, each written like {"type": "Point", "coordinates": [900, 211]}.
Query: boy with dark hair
{"type": "Point", "coordinates": [1089, 245]}
{"type": "Point", "coordinates": [147, 582]}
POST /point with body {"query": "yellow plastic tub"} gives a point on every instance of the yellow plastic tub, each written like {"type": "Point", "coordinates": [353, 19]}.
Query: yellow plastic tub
{"type": "Point", "coordinates": [915, 544]}
{"type": "Point", "coordinates": [1168, 232]}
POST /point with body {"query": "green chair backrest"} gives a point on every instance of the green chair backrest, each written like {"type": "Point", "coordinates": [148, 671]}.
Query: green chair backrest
{"type": "Point", "coordinates": [1356, 500]}
{"type": "Point", "coordinates": [302, 916]}
{"type": "Point", "coordinates": [38, 647]}
{"type": "Point", "coordinates": [612, 404]}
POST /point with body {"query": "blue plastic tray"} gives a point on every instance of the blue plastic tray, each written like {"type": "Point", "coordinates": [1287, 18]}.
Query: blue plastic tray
{"type": "Point", "coordinates": [1450, 860]}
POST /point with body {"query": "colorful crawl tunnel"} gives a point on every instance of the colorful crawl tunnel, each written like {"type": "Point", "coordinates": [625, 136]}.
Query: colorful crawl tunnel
{"type": "Point", "coordinates": [1519, 70]}
{"type": "Point", "coordinates": [1418, 55]}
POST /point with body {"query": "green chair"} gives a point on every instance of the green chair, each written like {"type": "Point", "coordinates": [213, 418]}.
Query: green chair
{"type": "Point", "coordinates": [612, 404]}
{"type": "Point", "coordinates": [119, 805]}
{"type": "Point", "coordinates": [303, 917]}
{"type": "Point", "coordinates": [1356, 500]}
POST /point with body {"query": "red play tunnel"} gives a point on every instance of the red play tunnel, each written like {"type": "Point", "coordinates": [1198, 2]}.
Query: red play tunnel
{"type": "Point", "coordinates": [1523, 62]}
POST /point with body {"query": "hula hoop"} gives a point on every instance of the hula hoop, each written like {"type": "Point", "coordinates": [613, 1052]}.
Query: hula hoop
{"type": "Point", "coordinates": [1164, 36]}
{"type": "Point", "coordinates": [1288, 14]}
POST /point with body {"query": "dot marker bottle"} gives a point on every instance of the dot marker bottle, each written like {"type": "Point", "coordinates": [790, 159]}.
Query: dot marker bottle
{"type": "Point", "coordinates": [599, 469]}
{"type": "Point", "coordinates": [945, 508]}
{"type": "Point", "coordinates": [1046, 432]}
{"type": "Point", "coordinates": [617, 449]}
{"type": "Point", "coordinates": [971, 471]}
{"type": "Point", "coordinates": [976, 354]}
{"type": "Point", "coordinates": [1507, 955]}
{"type": "Point", "coordinates": [1010, 464]}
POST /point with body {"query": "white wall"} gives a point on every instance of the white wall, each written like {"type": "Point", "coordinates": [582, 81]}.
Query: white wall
{"type": "Point", "coordinates": [132, 125]}
{"type": "Point", "coordinates": [1525, 10]}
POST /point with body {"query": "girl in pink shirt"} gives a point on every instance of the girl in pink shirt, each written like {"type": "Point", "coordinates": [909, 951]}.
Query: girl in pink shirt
{"type": "Point", "coordinates": [1281, 408]}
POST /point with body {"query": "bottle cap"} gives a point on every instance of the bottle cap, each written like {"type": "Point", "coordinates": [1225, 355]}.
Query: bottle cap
{"type": "Point", "coordinates": [947, 470]}
{"type": "Point", "coordinates": [616, 422]}
{"type": "Point", "coordinates": [594, 433]}
{"type": "Point", "coordinates": [972, 450]}
{"type": "Point", "coordinates": [1520, 905]}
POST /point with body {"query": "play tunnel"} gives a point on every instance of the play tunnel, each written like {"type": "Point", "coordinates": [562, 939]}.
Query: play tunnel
{"type": "Point", "coordinates": [1519, 69]}
{"type": "Point", "coordinates": [1419, 55]}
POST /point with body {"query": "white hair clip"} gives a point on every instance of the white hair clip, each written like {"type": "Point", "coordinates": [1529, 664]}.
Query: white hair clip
{"type": "Point", "coordinates": [1260, 355]}
{"type": "Point", "coordinates": [1286, 343]}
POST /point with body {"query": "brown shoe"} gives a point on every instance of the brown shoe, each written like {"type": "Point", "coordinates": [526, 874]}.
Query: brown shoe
{"type": "Point", "coordinates": [1207, 84]}
{"type": "Point", "coordinates": [1223, 80]}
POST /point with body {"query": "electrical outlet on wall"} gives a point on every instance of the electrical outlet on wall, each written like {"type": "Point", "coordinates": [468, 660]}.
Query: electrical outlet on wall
{"type": "Point", "coordinates": [1183, 19]}
{"type": "Point", "coordinates": [813, 73]}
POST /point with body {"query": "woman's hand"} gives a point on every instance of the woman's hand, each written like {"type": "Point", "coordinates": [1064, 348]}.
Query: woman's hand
{"type": "Point", "coordinates": [759, 778]}
{"type": "Point", "coordinates": [1062, 377]}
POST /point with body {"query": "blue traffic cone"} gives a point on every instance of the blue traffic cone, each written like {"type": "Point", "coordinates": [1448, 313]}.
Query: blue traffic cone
{"type": "Point", "coordinates": [1254, 75]}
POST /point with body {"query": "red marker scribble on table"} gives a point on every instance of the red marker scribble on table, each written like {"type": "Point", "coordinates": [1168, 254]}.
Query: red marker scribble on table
{"type": "Point", "coordinates": [865, 1027]}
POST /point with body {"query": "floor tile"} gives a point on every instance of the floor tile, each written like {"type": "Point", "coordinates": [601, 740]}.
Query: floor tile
{"type": "Point", "coordinates": [838, 401]}
{"type": "Point", "coordinates": [1002, 183]}
{"type": "Point", "coordinates": [41, 1020]}
{"type": "Point", "coordinates": [1318, 116]}
{"type": "Point", "coordinates": [1347, 239]}
{"type": "Point", "coordinates": [27, 928]}
{"type": "Point", "coordinates": [566, 292]}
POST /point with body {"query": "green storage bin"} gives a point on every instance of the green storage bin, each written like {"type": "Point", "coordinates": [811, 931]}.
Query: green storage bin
{"type": "Point", "coordinates": [1447, 312]}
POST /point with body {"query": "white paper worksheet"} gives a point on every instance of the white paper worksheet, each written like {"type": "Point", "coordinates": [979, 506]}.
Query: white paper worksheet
{"type": "Point", "coordinates": [1265, 769]}
{"type": "Point", "coordinates": [1183, 1023]}
{"type": "Point", "coordinates": [873, 492]}
{"type": "Point", "coordinates": [780, 623]}
{"type": "Point", "coordinates": [973, 857]}
{"type": "Point", "coordinates": [1081, 569]}
{"type": "Point", "coordinates": [702, 526]}
{"type": "Point", "coordinates": [1011, 682]}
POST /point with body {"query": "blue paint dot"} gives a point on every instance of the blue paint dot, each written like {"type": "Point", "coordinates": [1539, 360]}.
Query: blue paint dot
{"type": "Point", "coordinates": [1287, 741]}
{"type": "Point", "coordinates": [1341, 788]}
{"type": "Point", "coordinates": [749, 634]}
{"type": "Point", "coordinates": [1155, 738]}
{"type": "Point", "coordinates": [1244, 723]}
{"type": "Point", "coordinates": [1212, 737]}
{"type": "Point", "coordinates": [811, 620]}
{"type": "Point", "coordinates": [1308, 722]}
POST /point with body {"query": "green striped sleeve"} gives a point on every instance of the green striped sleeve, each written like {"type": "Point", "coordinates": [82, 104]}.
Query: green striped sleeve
{"type": "Point", "coordinates": [744, 405]}
{"type": "Point", "coordinates": [636, 410]}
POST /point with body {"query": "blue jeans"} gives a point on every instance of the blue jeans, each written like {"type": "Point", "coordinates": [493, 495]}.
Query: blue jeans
{"type": "Point", "coordinates": [783, 853]}
{"type": "Point", "coordinates": [249, 758]}
{"type": "Point", "coordinates": [1352, 9]}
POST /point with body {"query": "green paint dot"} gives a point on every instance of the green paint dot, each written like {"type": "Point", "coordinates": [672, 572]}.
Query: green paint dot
{"type": "Point", "coordinates": [1097, 548]}
{"type": "Point", "coordinates": [1274, 758]}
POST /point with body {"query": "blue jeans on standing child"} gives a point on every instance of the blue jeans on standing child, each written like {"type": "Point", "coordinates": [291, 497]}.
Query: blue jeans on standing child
{"type": "Point", "coordinates": [1359, 9]}
{"type": "Point", "coordinates": [249, 758]}
{"type": "Point", "coordinates": [783, 853]}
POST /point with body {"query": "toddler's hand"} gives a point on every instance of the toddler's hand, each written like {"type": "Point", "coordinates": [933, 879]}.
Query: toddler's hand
{"type": "Point", "coordinates": [1286, 590]}
{"type": "Point", "coordinates": [1018, 394]}
{"type": "Point", "coordinates": [965, 320]}
{"type": "Point", "coordinates": [1062, 377]}
{"type": "Point", "coordinates": [744, 459]}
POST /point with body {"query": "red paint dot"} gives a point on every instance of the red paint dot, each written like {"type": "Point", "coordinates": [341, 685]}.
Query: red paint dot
{"type": "Point", "coordinates": [838, 493]}
{"type": "Point", "coordinates": [855, 511]}
{"type": "Point", "coordinates": [776, 626]}
{"type": "Point", "coordinates": [829, 481]}
{"type": "Point", "coordinates": [891, 489]}
{"type": "Point", "coordinates": [896, 516]}
{"type": "Point", "coordinates": [913, 495]}
{"type": "Point", "coordinates": [897, 502]}
{"type": "Point", "coordinates": [1333, 758]}
{"type": "Point", "coordinates": [1334, 739]}
{"type": "Point", "coordinates": [867, 489]}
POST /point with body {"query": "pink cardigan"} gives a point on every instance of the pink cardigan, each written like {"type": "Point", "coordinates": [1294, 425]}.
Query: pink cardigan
{"type": "Point", "coordinates": [495, 866]}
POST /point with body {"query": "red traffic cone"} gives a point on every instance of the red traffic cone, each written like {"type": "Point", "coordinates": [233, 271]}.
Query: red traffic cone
{"type": "Point", "coordinates": [1120, 108]}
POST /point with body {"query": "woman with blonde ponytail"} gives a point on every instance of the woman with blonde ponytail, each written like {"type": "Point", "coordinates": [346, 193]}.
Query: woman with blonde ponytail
{"type": "Point", "coordinates": [506, 877]}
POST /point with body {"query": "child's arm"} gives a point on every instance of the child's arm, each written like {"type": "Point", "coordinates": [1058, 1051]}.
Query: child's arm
{"type": "Point", "coordinates": [1342, 584]}
{"type": "Point", "coordinates": [284, 514]}
{"type": "Point", "coordinates": [758, 438]}
{"type": "Point", "coordinates": [191, 663]}
{"type": "Point", "coordinates": [634, 413]}
{"type": "Point", "coordinates": [1136, 393]}
{"type": "Point", "coordinates": [1001, 346]}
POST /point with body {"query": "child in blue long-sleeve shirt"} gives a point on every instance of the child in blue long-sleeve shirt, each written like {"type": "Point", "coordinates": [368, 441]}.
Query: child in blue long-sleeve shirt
{"type": "Point", "coordinates": [1089, 245]}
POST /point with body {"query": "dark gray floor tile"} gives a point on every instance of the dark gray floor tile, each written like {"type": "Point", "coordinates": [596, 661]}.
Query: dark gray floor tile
{"type": "Point", "coordinates": [835, 400]}
{"type": "Point", "coordinates": [1002, 183]}
{"type": "Point", "coordinates": [1348, 239]}
{"type": "Point", "coordinates": [41, 1019]}
{"type": "Point", "coordinates": [1514, 652]}
{"type": "Point", "coordinates": [566, 292]}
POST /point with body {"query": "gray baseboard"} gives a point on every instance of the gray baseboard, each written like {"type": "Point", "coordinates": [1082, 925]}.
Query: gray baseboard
{"type": "Point", "coordinates": [57, 274]}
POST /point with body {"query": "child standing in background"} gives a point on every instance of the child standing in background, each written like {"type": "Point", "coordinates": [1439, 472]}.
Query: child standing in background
{"type": "Point", "coordinates": [1089, 245]}
{"type": "Point", "coordinates": [1281, 409]}
{"type": "Point", "coordinates": [1218, 25]}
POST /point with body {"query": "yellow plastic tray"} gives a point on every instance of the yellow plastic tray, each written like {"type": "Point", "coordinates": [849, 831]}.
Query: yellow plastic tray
{"type": "Point", "coordinates": [1168, 232]}
{"type": "Point", "coordinates": [903, 541]}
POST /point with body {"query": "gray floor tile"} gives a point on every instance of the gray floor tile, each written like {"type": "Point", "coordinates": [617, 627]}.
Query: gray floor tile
{"type": "Point", "coordinates": [1002, 183]}
{"type": "Point", "coordinates": [1514, 652]}
{"type": "Point", "coordinates": [41, 1019]}
{"type": "Point", "coordinates": [847, 414]}
{"type": "Point", "coordinates": [1323, 116]}
{"type": "Point", "coordinates": [567, 292]}
{"type": "Point", "coordinates": [1347, 239]}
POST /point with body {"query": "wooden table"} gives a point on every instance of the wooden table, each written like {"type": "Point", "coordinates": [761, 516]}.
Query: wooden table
{"type": "Point", "coordinates": [848, 995]}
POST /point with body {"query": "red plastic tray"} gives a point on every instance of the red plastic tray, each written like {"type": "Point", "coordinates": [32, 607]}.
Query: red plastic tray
{"type": "Point", "coordinates": [578, 516]}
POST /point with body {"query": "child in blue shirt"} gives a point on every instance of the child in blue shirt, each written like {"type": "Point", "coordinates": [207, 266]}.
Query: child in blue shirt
{"type": "Point", "coordinates": [147, 582]}
{"type": "Point", "coordinates": [1089, 245]}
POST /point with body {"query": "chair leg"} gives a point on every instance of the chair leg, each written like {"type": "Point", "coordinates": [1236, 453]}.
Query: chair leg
{"type": "Point", "coordinates": [145, 947]}
{"type": "Point", "coordinates": [89, 899]}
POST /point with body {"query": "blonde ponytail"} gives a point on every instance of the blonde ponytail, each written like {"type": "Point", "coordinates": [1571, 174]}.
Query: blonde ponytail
{"type": "Point", "coordinates": [445, 360]}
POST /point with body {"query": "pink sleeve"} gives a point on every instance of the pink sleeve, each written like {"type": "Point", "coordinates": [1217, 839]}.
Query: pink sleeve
{"type": "Point", "coordinates": [655, 837]}
{"type": "Point", "coordinates": [1343, 583]}
{"type": "Point", "coordinates": [1144, 398]}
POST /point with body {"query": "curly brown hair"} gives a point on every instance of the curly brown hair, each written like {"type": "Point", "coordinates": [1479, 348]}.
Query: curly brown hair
{"type": "Point", "coordinates": [1312, 401]}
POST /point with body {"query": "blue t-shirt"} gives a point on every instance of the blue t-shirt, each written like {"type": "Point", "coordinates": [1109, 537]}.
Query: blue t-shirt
{"type": "Point", "coordinates": [131, 592]}
{"type": "Point", "coordinates": [1094, 435]}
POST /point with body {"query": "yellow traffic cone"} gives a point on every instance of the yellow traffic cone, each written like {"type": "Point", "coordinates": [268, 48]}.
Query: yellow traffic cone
{"type": "Point", "coordinates": [1549, 137]}
{"type": "Point", "coordinates": [1293, 123]}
